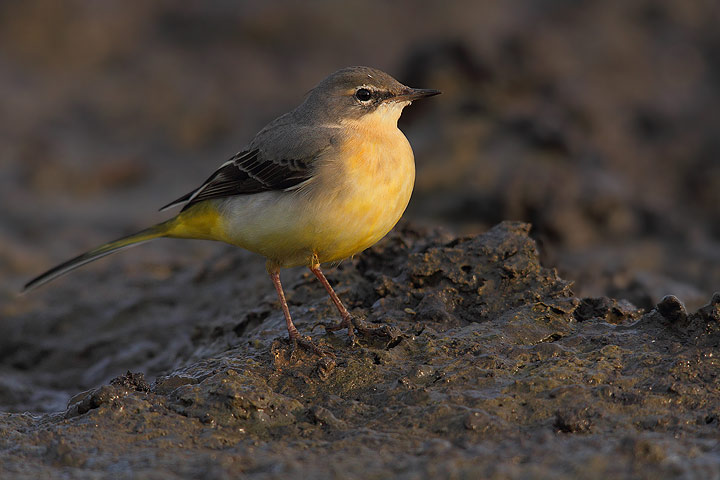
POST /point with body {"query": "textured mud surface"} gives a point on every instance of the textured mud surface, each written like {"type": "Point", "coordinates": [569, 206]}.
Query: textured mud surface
{"type": "Point", "coordinates": [594, 121]}
{"type": "Point", "coordinates": [494, 355]}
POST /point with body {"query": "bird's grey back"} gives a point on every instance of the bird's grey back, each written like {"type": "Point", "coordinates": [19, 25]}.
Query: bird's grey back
{"type": "Point", "coordinates": [290, 138]}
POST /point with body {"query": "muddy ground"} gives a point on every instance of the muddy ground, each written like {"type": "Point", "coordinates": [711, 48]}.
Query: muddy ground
{"type": "Point", "coordinates": [495, 370]}
{"type": "Point", "coordinates": [577, 339]}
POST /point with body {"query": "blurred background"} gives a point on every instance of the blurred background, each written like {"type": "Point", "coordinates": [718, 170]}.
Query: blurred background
{"type": "Point", "coordinates": [596, 121]}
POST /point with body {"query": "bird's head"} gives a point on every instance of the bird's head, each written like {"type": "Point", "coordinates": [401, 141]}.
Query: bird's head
{"type": "Point", "coordinates": [355, 92]}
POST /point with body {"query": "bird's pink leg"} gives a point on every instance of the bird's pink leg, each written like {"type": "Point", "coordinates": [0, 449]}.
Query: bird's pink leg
{"type": "Point", "coordinates": [292, 331]}
{"type": "Point", "coordinates": [346, 321]}
{"type": "Point", "coordinates": [295, 337]}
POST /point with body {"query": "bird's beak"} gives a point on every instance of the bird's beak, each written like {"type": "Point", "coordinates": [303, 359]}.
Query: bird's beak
{"type": "Point", "coordinates": [410, 94]}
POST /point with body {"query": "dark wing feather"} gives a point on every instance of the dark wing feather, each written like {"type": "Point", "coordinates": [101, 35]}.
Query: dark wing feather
{"type": "Point", "coordinates": [246, 173]}
{"type": "Point", "coordinates": [280, 157]}
{"type": "Point", "coordinates": [249, 173]}
{"type": "Point", "coordinates": [178, 201]}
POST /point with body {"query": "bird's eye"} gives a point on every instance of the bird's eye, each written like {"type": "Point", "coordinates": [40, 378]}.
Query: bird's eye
{"type": "Point", "coordinates": [363, 94]}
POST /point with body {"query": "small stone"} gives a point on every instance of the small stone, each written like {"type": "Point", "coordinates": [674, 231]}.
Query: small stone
{"type": "Point", "coordinates": [572, 421]}
{"type": "Point", "coordinates": [324, 367]}
{"type": "Point", "coordinates": [715, 299]}
{"type": "Point", "coordinates": [323, 416]}
{"type": "Point", "coordinates": [672, 309]}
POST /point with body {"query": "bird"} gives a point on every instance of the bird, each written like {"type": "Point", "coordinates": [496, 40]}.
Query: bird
{"type": "Point", "coordinates": [316, 185]}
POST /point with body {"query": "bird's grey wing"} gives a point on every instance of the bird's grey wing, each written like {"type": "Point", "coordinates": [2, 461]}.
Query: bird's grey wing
{"type": "Point", "coordinates": [280, 157]}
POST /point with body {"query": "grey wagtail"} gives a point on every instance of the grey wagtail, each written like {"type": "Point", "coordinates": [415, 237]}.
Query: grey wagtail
{"type": "Point", "coordinates": [316, 185]}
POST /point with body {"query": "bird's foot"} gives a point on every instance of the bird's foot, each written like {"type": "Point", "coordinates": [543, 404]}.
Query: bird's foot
{"type": "Point", "coordinates": [307, 344]}
{"type": "Point", "coordinates": [346, 322]}
{"type": "Point", "coordinates": [355, 324]}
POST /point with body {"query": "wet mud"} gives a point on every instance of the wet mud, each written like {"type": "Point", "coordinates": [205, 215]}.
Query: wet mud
{"type": "Point", "coordinates": [494, 355]}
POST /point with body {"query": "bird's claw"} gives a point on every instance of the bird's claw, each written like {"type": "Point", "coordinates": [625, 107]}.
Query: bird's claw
{"type": "Point", "coordinates": [306, 343]}
{"type": "Point", "coordinates": [354, 324]}
{"type": "Point", "coordinates": [346, 322]}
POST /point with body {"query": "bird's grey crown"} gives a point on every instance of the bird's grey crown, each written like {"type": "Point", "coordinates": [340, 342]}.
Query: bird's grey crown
{"type": "Point", "coordinates": [352, 77]}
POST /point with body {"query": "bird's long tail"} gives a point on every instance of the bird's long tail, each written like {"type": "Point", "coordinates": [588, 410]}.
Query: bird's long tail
{"type": "Point", "coordinates": [201, 222]}
{"type": "Point", "coordinates": [146, 235]}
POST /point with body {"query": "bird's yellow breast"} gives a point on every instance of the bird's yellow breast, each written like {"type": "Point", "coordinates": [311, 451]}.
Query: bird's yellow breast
{"type": "Point", "coordinates": [366, 192]}
{"type": "Point", "coordinates": [361, 187]}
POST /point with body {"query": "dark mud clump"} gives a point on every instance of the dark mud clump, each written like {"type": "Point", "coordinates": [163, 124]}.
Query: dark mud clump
{"type": "Point", "coordinates": [498, 371]}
